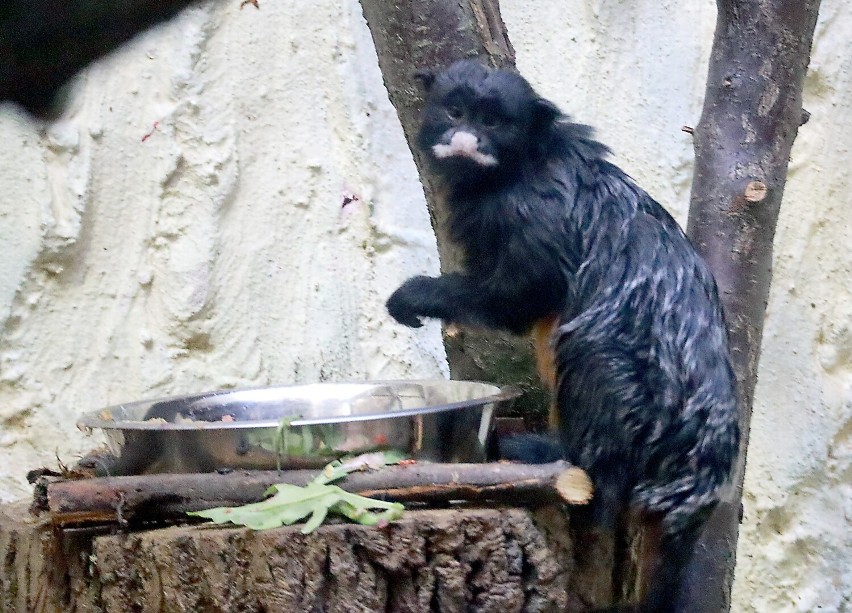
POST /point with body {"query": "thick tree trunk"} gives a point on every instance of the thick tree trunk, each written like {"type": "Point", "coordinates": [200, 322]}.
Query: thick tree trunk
{"type": "Point", "coordinates": [489, 560]}
{"type": "Point", "coordinates": [752, 111]}
{"type": "Point", "coordinates": [416, 34]}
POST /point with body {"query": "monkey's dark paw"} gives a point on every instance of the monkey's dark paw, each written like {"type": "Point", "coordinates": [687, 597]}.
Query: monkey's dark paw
{"type": "Point", "coordinates": [406, 304]}
{"type": "Point", "coordinates": [404, 317]}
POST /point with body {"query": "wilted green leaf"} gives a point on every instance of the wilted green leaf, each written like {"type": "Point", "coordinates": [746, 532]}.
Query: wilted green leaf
{"type": "Point", "coordinates": [353, 507]}
{"type": "Point", "coordinates": [289, 504]}
{"type": "Point", "coordinates": [374, 460]}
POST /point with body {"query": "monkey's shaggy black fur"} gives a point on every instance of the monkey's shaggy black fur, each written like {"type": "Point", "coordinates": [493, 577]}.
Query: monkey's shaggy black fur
{"type": "Point", "coordinates": [646, 393]}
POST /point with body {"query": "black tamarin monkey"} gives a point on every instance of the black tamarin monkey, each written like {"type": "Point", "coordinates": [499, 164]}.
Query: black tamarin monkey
{"type": "Point", "coordinates": [561, 243]}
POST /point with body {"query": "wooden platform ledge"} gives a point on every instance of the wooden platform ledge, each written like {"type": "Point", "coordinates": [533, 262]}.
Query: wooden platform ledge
{"type": "Point", "coordinates": [99, 545]}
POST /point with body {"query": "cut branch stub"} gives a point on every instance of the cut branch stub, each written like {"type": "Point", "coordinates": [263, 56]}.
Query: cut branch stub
{"type": "Point", "coordinates": [755, 191]}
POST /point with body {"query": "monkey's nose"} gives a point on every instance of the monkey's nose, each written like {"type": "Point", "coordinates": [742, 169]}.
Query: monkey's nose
{"type": "Point", "coordinates": [465, 142]}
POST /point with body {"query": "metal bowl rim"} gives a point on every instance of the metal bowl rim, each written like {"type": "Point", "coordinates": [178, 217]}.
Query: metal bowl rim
{"type": "Point", "coordinates": [91, 420]}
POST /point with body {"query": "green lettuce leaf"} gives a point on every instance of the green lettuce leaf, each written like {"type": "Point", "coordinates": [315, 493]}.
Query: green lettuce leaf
{"type": "Point", "coordinates": [289, 504]}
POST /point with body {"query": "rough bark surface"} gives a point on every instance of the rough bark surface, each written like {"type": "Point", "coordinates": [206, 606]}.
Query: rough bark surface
{"type": "Point", "coordinates": [429, 34]}
{"type": "Point", "coordinates": [498, 560]}
{"type": "Point", "coordinates": [752, 112]}
{"type": "Point", "coordinates": [24, 559]}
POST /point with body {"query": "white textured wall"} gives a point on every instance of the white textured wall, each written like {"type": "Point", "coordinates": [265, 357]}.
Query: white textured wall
{"type": "Point", "coordinates": [217, 252]}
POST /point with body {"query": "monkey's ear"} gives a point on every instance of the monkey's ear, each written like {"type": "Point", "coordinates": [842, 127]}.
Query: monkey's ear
{"type": "Point", "coordinates": [544, 112]}
{"type": "Point", "coordinates": [426, 78]}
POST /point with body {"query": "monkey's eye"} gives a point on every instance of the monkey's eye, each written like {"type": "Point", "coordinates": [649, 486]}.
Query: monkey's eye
{"type": "Point", "coordinates": [490, 120]}
{"type": "Point", "coordinates": [454, 112]}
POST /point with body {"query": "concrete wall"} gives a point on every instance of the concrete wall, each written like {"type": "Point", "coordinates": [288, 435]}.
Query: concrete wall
{"type": "Point", "coordinates": [183, 228]}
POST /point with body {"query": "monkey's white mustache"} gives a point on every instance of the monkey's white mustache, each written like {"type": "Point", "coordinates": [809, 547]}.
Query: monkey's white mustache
{"type": "Point", "coordinates": [464, 144]}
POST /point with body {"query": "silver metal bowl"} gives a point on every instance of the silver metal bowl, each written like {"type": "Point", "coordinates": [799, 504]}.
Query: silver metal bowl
{"type": "Point", "coordinates": [300, 425]}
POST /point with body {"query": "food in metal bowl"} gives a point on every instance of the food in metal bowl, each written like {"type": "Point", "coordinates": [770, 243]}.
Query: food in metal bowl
{"type": "Point", "coordinates": [300, 425]}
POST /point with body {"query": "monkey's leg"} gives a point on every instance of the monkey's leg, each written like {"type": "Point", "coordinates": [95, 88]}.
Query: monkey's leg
{"type": "Point", "coordinates": [530, 448]}
{"type": "Point", "coordinates": [543, 332]}
{"type": "Point", "coordinates": [545, 355]}
{"type": "Point", "coordinates": [539, 448]}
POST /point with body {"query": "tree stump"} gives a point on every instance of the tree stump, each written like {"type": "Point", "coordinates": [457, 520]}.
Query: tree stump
{"type": "Point", "coordinates": [457, 559]}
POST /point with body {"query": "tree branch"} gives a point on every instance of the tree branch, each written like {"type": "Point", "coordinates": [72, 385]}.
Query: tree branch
{"type": "Point", "coordinates": [170, 496]}
{"type": "Point", "coordinates": [752, 111]}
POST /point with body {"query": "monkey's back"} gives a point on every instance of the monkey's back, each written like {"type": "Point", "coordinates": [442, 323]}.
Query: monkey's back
{"type": "Point", "coordinates": [646, 393]}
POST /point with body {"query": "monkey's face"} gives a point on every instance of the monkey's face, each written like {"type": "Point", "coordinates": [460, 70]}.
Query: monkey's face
{"type": "Point", "coordinates": [479, 121]}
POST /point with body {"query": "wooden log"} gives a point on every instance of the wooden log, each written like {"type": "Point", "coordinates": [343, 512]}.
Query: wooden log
{"type": "Point", "coordinates": [26, 568]}
{"type": "Point", "coordinates": [169, 496]}
{"type": "Point", "coordinates": [495, 559]}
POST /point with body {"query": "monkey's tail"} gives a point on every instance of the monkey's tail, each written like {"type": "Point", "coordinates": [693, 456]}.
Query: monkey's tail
{"type": "Point", "coordinates": [665, 574]}
{"type": "Point", "coordinates": [663, 562]}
